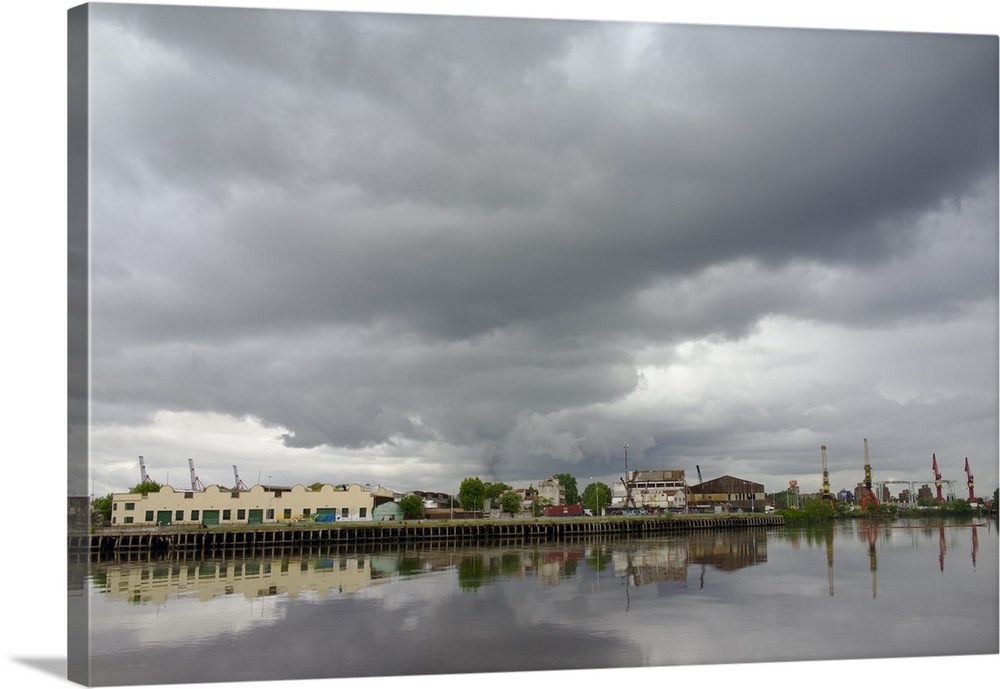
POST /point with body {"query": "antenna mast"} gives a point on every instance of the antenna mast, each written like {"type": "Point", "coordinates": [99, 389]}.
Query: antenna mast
{"type": "Point", "coordinates": [196, 483]}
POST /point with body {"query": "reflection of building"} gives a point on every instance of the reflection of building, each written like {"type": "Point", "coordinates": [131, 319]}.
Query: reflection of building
{"type": "Point", "coordinates": [259, 505]}
{"type": "Point", "coordinates": [729, 493]}
{"type": "Point", "coordinates": [650, 490]}
{"type": "Point", "coordinates": [728, 551]}
{"type": "Point", "coordinates": [666, 562]}
{"type": "Point", "coordinates": [156, 582]}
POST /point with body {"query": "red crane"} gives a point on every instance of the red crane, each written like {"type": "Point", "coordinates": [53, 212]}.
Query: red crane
{"type": "Point", "coordinates": [968, 473]}
{"type": "Point", "coordinates": [937, 477]}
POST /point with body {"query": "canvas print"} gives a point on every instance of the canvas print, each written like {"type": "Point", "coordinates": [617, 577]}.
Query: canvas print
{"type": "Point", "coordinates": [422, 345]}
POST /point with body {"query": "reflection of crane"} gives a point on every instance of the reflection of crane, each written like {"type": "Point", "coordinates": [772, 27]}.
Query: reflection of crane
{"type": "Point", "coordinates": [196, 483]}
{"type": "Point", "coordinates": [238, 485]}
{"type": "Point", "coordinates": [143, 476]}
{"type": "Point", "coordinates": [826, 479]}
{"type": "Point", "coordinates": [975, 545]}
{"type": "Point", "coordinates": [968, 473]}
{"type": "Point", "coordinates": [942, 546]}
{"type": "Point", "coordinates": [829, 557]}
{"type": "Point", "coordinates": [937, 477]}
{"type": "Point", "coordinates": [871, 531]}
{"type": "Point", "coordinates": [868, 497]}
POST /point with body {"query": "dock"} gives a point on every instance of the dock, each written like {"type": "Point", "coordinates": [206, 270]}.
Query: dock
{"type": "Point", "coordinates": [115, 543]}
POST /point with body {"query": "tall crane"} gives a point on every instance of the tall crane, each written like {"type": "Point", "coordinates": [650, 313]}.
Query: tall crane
{"type": "Point", "coordinates": [969, 481]}
{"type": "Point", "coordinates": [196, 483]}
{"type": "Point", "coordinates": [238, 485]}
{"type": "Point", "coordinates": [143, 476]}
{"type": "Point", "coordinates": [629, 500]}
{"type": "Point", "coordinates": [826, 479]}
{"type": "Point", "coordinates": [701, 485]}
{"type": "Point", "coordinates": [868, 497]}
{"type": "Point", "coordinates": [937, 477]}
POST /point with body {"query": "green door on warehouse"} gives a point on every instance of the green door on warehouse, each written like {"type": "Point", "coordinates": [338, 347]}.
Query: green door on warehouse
{"type": "Point", "coordinates": [163, 518]}
{"type": "Point", "coordinates": [256, 517]}
{"type": "Point", "coordinates": [210, 517]}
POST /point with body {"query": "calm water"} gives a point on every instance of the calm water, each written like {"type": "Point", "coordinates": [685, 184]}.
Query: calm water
{"type": "Point", "coordinates": [844, 591]}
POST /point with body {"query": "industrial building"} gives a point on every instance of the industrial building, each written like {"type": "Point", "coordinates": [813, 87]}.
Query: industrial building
{"type": "Point", "coordinates": [650, 491]}
{"type": "Point", "coordinates": [727, 494]}
{"type": "Point", "coordinates": [258, 505]}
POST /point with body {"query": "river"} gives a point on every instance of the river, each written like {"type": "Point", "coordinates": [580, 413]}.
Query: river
{"type": "Point", "coordinates": [845, 590]}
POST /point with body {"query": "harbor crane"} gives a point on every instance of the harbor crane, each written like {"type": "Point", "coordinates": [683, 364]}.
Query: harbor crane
{"type": "Point", "coordinates": [238, 485]}
{"type": "Point", "coordinates": [868, 497]}
{"type": "Point", "coordinates": [143, 476]}
{"type": "Point", "coordinates": [970, 482]}
{"type": "Point", "coordinates": [629, 500]}
{"type": "Point", "coordinates": [196, 483]}
{"type": "Point", "coordinates": [937, 477]}
{"type": "Point", "coordinates": [701, 486]}
{"type": "Point", "coordinates": [826, 480]}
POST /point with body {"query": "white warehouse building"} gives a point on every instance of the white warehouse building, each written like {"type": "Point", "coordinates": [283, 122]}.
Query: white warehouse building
{"type": "Point", "coordinates": [258, 505]}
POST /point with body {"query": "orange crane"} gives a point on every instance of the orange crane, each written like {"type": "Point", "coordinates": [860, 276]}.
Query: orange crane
{"type": "Point", "coordinates": [937, 477]}
{"type": "Point", "coordinates": [969, 481]}
{"type": "Point", "coordinates": [868, 497]}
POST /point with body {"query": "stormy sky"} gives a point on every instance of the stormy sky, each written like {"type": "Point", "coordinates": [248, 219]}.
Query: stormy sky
{"type": "Point", "coordinates": [404, 249]}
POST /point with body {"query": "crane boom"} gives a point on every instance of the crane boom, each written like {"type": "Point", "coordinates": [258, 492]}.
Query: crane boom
{"type": "Point", "coordinates": [826, 478]}
{"type": "Point", "coordinates": [969, 481]}
{"type": "Point", "coordinates": [701, 485]}
{"type": "Point", "coordinates": [196, 483]}
{"type": "Point", "coordinates": [238, 485]}
{"type": "Point", "coordinates": [937, 477]}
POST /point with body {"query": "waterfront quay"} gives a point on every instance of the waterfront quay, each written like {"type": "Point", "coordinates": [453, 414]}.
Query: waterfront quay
{"type": "Point", "coordinates": [114, 543]}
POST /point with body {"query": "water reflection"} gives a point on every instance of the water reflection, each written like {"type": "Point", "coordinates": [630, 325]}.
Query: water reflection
{"type": "Point", "coordinates": [335, 571]}
{"type": "Point", "coordinates": [672, 599]}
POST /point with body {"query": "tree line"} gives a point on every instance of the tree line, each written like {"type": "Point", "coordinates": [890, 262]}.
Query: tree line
{"type": "Point", "coordinates": [476, 495]}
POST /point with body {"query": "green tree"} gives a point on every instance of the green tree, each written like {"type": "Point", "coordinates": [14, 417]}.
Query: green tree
{"type": "Point", "coordinates": [145, 488]}
{"type": "Point", "coordinates": [539, 504]}
{"type": "Point", "coordinates": [596, 496]}
{"type": "Point", "coordinates": [412, 506]}
{"type": "Point", "coordinates": [996, 494]}
{"type": "Point", "coordinates": [569, 483]}
{"type": "Point", "coordinates": [510, 502]}
{"type": "Point", "coordinates": [314, 487]}
{"type": "Point", "coordinates": [471, 494]}
{"type": "Point", "coordinates": [102, 507]}
{"type": "Point", "coordinates": [493, 491]}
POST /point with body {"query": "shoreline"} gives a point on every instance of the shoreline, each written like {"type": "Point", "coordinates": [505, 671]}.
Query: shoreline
{"type": "Point", "coordinates": [107, 544]}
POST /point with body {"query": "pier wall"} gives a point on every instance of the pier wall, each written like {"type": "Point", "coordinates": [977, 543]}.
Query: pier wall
{"type": "Point", "coordinates": [110, 544]}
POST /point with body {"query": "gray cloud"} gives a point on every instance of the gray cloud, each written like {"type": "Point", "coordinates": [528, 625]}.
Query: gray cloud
{"type": "Point", "coordinates": [490, 234]}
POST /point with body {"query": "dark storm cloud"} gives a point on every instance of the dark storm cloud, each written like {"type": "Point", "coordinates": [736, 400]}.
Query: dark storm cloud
{"type": "Point", "coordinates": [372, 227]}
